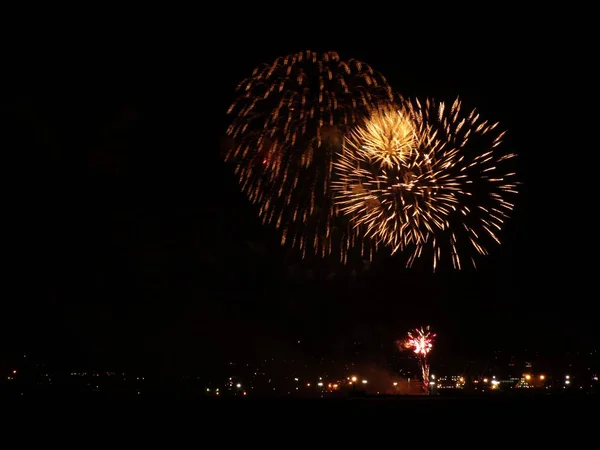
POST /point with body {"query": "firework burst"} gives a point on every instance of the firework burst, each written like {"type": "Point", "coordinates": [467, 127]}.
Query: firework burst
{"type": "Point", "coordinates": [426, 178]}
{"type": "Point", "coordinates": [289, 119]}
{"type": "Point", "coordinates": [420, 341]}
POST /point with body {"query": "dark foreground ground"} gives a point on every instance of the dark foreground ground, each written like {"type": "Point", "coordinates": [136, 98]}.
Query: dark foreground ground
{"type": "Point", "coordinates": [501, 420]}
{"type": "Point", "coordinates": [498, 410]}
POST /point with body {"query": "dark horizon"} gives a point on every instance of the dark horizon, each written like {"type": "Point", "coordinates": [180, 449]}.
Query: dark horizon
{"type": "Point", "coordinates": [139, 250]}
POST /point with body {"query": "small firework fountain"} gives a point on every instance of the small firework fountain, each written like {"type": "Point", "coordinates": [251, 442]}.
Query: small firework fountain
{"type": "Point", "coordinates": [420, 340]}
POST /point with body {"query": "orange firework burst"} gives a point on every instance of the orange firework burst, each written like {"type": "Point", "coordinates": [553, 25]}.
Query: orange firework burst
{"type": "Point", "coordinates": [289, 121]}
{"type": "Point", "coordinates": [426, 177]}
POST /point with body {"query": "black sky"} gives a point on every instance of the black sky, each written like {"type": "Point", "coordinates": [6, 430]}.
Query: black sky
{"type": "Point", "coordinates": [135, 247]}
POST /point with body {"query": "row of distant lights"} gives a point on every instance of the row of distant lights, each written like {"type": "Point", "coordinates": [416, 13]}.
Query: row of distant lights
{"type": "Point", "coordinates": [217, 392]}
{"type": "Point", "coordinates": [354, 379]}
{"type": "Point", "coordinates": [351, 380]}
{"type": "Point", "coordinates": [528, 377]}
{"type": "Point", "coordinates": [567, 378]}
{"type": "Point", "coordinates": [542, 378]}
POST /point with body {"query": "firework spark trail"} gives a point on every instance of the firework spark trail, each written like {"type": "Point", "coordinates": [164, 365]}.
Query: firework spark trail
{"type": "Point", "coordinates": [420, 341]}
{"type": "Point", "coordinates": [386, 178]}
{"type": "Point", "coordinates": [289, 120]}
{"type": "Point", "coordinates": [426, 178]}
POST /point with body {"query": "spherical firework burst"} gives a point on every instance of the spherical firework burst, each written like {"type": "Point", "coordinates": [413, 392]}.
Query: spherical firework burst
{"type": "Point", "coordinates": [289, 121]}
{"type": "Point", "coordinates": [384, 178]}
{"type": "Point", "coordinates": [420, 341]}
{"type": "Point", "coordinates": [426, 177]}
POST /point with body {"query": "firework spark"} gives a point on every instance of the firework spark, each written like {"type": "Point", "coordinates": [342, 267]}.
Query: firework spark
{"type": "Point", "coordinates": [426, 178]}
{"type": "Point", "coordinates": [420, 341]}
{"type": "Point", "coordinates": [289, 121]}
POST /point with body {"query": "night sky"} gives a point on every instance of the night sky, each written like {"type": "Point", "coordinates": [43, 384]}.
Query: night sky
{"type": "Point", "coordinates": [136, 249]}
